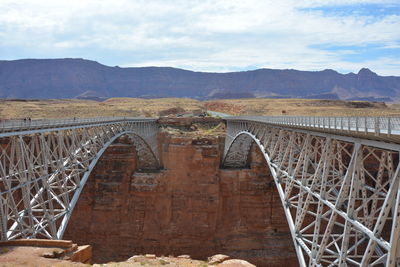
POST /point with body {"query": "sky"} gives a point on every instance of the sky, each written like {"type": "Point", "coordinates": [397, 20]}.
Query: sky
{"type": "Point", "coordinates": [205, 35]}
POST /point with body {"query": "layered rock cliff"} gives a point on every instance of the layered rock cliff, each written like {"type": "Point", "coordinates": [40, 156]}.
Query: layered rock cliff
{"type": "Point", "coordinates": [192, 206]}
{"type": "Point", "coordinates": [70, 78]}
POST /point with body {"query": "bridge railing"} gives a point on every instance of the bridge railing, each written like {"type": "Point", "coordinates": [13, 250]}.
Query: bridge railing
{"type": "Point", "coordinates": [367, 125]}
{"type": "Point", "coordinates": [27, 124]}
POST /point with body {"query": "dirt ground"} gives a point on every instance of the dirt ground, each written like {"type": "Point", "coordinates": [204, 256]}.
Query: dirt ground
{"type": "Point", "coordinates": [30, 256]}
{"type": "Point", "coordinates": [133, 107]}
{"type": "Point", "coordinates": [302, 107]}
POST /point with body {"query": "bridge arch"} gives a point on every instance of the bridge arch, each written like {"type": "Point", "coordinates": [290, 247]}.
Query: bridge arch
{"type": "Point", "coordinates": [147, 160]}
{"type": "Point", "coordinates": [44, 172]}
{"type": "Point", "coordinates": [340, 194]}
{"type": "Point", "coordinates": [237, 154]}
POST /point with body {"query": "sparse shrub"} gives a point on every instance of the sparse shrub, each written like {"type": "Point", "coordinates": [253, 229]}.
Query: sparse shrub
{"type": "Point", "coordinates": [5, 250]}
{"type": "Point", "coordinates": [163, 262]}
{"type": "Point", "coordinates": [57, 252]}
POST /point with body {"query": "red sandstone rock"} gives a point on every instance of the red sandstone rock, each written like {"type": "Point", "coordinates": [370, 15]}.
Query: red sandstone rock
{"type": "Point", "coordinates": [218, 258]}
{"type": "Point", "coordinates": [191, 207]}
{"type": "Point", "coordinates": [150, 256]}
{"type": "Point", "coordinates": [236, 263]}
{"type": "Point", "coordinates": [183, 257]}
{"type": "Point", "coordinates": [42, 252]}
{"type": "Point", "coordinates": [83, 254]}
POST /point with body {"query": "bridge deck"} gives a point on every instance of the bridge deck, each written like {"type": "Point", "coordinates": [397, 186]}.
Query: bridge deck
{"type": "Point", "coordinates": [338, 183]}
{"type": "Point", "coordinates": [374, 128]}
{"type": "Point", "coordinates": [8, 127]}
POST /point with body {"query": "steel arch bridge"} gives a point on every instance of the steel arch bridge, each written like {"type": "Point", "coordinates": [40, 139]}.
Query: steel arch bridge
{"type": "Point", "coordinates": [340, 193]}
{"type": "Point", "coordinates": [44, 165]}
{"type": "Point", "coordinates": [337, 177]}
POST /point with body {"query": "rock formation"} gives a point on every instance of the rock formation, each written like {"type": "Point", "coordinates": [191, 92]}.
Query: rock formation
{"type": "Point", "coordinates": [190, 207]}
{"type": "Point", "coordinates": [70, 78]}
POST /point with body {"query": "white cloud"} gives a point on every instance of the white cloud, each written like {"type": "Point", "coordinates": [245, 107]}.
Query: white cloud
{"type": "Point", "coordinates": [212, 35]}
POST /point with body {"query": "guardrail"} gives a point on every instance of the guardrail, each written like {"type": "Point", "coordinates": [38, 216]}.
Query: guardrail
{"type": "Point", "coordinates": [28, 124]}
{"type": "Point", "coordinates": [366, 125]}
{"type": "Point", "coordinates": [376, 125]}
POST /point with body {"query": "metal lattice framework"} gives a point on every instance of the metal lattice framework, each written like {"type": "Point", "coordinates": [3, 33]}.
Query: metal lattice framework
{"type": "Point", "coordinates": [44, 166]}
{"type": "Point", "coordinates": [340, 194]}
{"type": "Point", "coordinates": [338, 178]}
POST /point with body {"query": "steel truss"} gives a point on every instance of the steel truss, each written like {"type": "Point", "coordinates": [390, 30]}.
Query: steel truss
{"type": "Point", "coordinates": [341, 195]}
{"type": "Point", "coordinates": [43, 171]}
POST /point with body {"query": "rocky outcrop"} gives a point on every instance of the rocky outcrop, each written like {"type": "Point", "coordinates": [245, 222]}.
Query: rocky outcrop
{"type": "Point", "coordinates": [218, 258]}
{"type": "Point", "coordinates": [236, 263]}
{"type": "Point", "coordinates": [179, 261]}
{"type": "Point", "coordinates": [42, 252]}
{"type": "Point", "coordinates": [190, 207]}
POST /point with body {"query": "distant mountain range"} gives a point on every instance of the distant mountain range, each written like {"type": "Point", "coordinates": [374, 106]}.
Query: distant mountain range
{"type": "Point", "coordinates": [79, 78]}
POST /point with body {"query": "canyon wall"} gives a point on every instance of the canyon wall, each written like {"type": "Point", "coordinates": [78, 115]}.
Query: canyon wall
{"type": "Point", "coordinates": [190, 207]}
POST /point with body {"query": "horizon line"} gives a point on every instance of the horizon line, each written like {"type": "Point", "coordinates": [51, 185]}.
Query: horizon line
{"type": "Point", "coordinates": [154, 66]}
